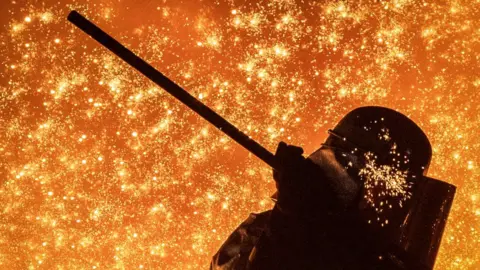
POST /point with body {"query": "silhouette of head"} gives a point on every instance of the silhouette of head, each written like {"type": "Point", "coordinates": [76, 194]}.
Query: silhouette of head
{"type": "Point", "coordinates": [385, 133]}
{"type": "Point", "coordinates": [375, 160]}
{"type": "Point", "coordinates": [375, 150]}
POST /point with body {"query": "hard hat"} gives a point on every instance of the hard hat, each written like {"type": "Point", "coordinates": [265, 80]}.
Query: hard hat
{"type": "Point", "coordinates": [389, 155]}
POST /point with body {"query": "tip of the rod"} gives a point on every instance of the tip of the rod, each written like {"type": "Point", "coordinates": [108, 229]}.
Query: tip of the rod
{"type": "Point", "coordinates": [73, 14]}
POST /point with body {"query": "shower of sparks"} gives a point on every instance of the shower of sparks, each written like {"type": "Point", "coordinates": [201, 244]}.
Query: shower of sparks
{"type": "Point", "coordinates": [101, 169]}
{"type": "Point", "coordinates": [384, 185]}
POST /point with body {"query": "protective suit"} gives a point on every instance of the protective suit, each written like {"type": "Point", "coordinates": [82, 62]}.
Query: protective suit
{"type": "Point", "coordinates": [361, 201]}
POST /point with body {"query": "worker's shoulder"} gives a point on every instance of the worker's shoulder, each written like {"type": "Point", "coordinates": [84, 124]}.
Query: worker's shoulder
{"type": "Point", "coordinates": [251, 228]}
{"type": "Point", "coordinates": [256, 221]}
{"type": "Point", "coordinates": [234, 252]}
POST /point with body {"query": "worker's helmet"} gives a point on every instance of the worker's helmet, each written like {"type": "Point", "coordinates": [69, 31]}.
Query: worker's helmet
{"type": "Point", "coordinates": [389, 155]}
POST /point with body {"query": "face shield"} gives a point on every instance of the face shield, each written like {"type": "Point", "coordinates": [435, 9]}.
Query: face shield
{"type": "Point", "coordinates": [402, 207]}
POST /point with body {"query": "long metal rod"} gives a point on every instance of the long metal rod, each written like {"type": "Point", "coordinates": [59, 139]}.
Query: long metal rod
{"type": "Point", "coordinates": [168, 85]}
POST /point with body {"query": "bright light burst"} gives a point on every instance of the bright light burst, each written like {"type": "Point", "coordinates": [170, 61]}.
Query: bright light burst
{"type": "Point", "coordinates": [384, 185]}
{"type": "Point", "coordinates": [100, 169]}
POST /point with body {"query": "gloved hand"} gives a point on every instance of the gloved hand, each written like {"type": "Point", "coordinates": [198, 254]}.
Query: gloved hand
{"type": "Point", "coordinates": [302, 189]}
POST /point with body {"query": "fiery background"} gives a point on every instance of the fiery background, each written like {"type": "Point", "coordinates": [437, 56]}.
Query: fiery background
{"type": "Point", "coordinates": [100, 169]}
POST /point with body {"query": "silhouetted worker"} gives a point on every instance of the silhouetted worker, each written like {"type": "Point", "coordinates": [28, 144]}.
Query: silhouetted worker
{"type": "Point", "coordinates": [361, 201]}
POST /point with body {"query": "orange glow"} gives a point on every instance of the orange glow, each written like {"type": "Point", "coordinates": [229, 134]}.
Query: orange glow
{"type": "Point", "coordinates": [101, 169]}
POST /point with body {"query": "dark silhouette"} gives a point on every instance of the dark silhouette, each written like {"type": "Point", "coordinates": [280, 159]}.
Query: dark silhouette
{"type": "Point", "coordinates": [361, 201]}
